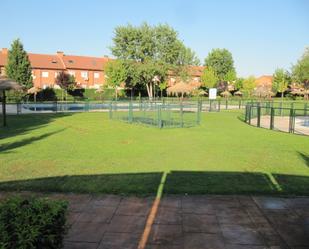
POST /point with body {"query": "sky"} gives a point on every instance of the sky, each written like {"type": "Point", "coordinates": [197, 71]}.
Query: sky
{"type": "Point", "coordinates": [262, 35]}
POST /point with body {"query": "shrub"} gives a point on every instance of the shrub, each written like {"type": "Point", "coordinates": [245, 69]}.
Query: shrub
{"type": "Point", "coordinates": [32, 223]}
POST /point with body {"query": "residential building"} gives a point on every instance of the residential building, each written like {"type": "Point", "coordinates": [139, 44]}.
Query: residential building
{"type": "Point", "coordinates": [88, 71]}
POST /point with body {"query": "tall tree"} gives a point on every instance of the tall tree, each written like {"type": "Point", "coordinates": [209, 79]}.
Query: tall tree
{"type": "Point", "coordinates": [281, 81]}
{"type": "Point", "coordinates": [115, 74]}
{"type": "Point", "coordinates": [300, 72]}
{"type": "Point", "coordinates": [18, 65]}
{"type": "Point", "coordinates": [248, 85]}
{"type": "Point", "coordinates": [209, 77]}
{"type": "Point", "coordinates": [148, 52]}
{"type": "Point", "coordinates": [221, 60]}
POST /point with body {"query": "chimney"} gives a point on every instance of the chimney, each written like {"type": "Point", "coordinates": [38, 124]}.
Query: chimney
{"type": "Point", "coordinates": [4, 51]}
{"type": "Point", "coordinates": [60, 53]}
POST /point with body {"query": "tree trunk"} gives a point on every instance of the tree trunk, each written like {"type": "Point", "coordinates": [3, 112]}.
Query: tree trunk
{"type": "Point", "coordinates": [282, 96]}
{"type": "Point", "coordinates": [3, 108]}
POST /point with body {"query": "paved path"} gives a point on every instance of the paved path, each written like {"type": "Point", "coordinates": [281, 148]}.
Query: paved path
{"type": "Point", "coordinates": [186, 222]}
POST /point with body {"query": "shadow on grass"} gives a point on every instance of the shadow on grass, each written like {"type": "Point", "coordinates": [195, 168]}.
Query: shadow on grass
{"type": "Point", "coordinates": [21, 124]}
{"type": "Point", "coordinates": [177, 182]}
{"type": "Point", "coordinates": [6, 148]}
{"type": "Point", "coordinates": [305, 157]}
{"type": "Point", "coordinates": [134, 184]}
{"type": "Point", "coordinates": [180, 182]}
{"type": "Point", "coordinates": [293, 184]}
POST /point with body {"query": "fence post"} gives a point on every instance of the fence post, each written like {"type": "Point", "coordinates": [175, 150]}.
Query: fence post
{"type": "Point", "coordinates": [219, 105]}
{"type": "Point", "coordinates": [199, 107]}
{"type": "Point", "coordinates": [110, 110]}
{"type": "Point", "coordinates": [259, 116]}
{"type": "Point", "coordinates": [160, 124]}
{"type": "Point", "coordinates": [239, 104]}
{"type": "Point", "coordinates": [292, 121]}
{"type": "Point", "coordinates": [181, 114]}
{"type": "Point", "coordinates": [272, 116]}
{"type": "Point", "coordinates": [226, 104]}
{"type": "Point", "coordinates": [249, 114]}
{"type": "Point", "coordinates": [18, 108]}
{"type": "Point", "coordinates": [130, 112]}
{"type": "Point", "coordinates": [55, 106]}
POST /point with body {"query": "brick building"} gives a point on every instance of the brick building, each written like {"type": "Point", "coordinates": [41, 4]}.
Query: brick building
{"type": "Point", "coordinates": [88, 71]}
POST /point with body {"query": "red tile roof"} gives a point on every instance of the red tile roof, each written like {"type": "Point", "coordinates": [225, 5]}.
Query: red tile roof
{"type": "Point", "coordinates": [45, 61]}
{"type": "Point", "coordinates": [61, 61]}
{"type": "Point", "coordinates": [84, 62]}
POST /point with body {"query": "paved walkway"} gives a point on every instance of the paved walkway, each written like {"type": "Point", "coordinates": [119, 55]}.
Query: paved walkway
{"type": "Point", "coordinates": [186, 222]}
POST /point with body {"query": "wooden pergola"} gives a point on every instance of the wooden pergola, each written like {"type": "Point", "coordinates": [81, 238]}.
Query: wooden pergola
{"type": "Point", "coordinates": [7, 84]}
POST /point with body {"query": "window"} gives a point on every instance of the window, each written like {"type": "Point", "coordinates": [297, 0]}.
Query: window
{"type": "Point", "coordinates": [45, 74]}
{"type": "Point", "coordinates": [56, 74]}
{"type": "Point", "coordinates": [96, 75]}
{"type": "Point", "coordinates": [84, 75]}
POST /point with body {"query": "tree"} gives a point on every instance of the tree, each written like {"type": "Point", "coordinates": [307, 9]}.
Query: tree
{"type": "Point", "coordinates": [239, 83]}
{"type": "Point", "coordinates": [221, 61]}
{"type": "Point", "coordinates": [148, 52]}
{"type": "Point", "coordinates": [187, 57]}
{"type": "Point", "coordinates": [209, 77]}
{"type": "Point", "coordinates": [248, 85]}
{"type": "Point", "coordinates": [65, 81]}
{"type": "Point", "coordinates": [281, 80]}
{"type": "Point", "coordinates": [115, 74]}
{"type": "Point", "coordinates": [18, 65]}
{"type": "Point", "coordinates": [300, 72]}
{"type": "Point", "coordinates": [163, 85]}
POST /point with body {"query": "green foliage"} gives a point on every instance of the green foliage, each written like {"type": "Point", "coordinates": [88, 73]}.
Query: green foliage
{"type": "Point", "coordinates": [230, 77]}
{"type": "Point", "coordinates": [159, 43]}
{"type": "Point", "coordinates": [32, 223]}
{"type": "Point", "coordinates": [301, 69]}
{"type": "Point", "coordinates": [281, 80]}
{"type": "Point", "coordinates": [209, 77]}
{"type": "Point", "coordinates": [18, 65]}
{"type": "Point", "coordinates": [115, 73]}
{"type": "Point", "coordinates": [188, 57]}
{"type": "Point", "coordinates": [148, 52]}
{"type": "Point", "coordinates": [239, 83]}
{"type": "Point", "coordinates": [248, 85]}
{"type": "Point", "coordinates": [65, 81]}
{"type": "Point", "coordinates": [221, 61]}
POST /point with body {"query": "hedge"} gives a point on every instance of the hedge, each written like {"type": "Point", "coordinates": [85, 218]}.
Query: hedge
{"type": "Point", "coordinates": [32, 223]}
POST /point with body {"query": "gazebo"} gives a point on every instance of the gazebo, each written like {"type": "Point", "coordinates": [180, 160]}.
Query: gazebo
{"type": "Point", "coordinates": [5, 85]}
{"type": "Point", "coordinates": [180, 87]}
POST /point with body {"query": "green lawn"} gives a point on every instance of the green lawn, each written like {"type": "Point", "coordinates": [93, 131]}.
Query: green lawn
{"type": "Point", "coordinates": [87, 152]}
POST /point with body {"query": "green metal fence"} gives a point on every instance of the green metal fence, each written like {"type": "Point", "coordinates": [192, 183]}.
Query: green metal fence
{"type": "Point", "coordinates": [158, 114]}
{"type": "Point", "coordinates": [286, 119]}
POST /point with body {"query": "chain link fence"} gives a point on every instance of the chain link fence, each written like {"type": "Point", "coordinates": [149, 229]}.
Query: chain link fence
{"type": "Point", "coordinates": [159, 114]}
{"type": "Point", "coordinates": [276, 117]}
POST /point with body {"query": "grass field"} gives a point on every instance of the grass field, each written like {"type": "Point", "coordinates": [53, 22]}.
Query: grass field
{"type": "Point", "coordinates": [87, 152]}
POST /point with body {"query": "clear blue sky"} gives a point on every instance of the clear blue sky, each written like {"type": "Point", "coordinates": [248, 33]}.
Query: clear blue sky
{"type": "Point", "coordinates": [261, 34]}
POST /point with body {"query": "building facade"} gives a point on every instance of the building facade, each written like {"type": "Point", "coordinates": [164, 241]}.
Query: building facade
{"type": "Point", "coordinates": [88, 71]}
